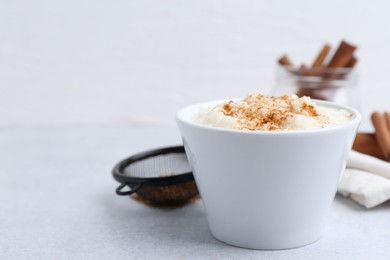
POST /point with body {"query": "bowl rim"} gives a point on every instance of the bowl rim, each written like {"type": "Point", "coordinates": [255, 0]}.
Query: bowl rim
{"type": "Point", "coordinates": [181, 118]}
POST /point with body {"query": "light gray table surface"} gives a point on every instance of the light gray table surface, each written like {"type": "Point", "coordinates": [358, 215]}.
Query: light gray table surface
{"type": "Point", "coordinates": [57, 201]}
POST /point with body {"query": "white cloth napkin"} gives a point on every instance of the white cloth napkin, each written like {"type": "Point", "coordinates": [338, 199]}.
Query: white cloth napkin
{"type": "Point", "coordinates": [365, 180]}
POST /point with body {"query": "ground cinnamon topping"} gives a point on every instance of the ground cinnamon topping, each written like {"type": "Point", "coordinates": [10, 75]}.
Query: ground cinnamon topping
{"type": "Point", "coordinates": [260, 112]}
{"type": "Point", "coordinates": [264, 112]}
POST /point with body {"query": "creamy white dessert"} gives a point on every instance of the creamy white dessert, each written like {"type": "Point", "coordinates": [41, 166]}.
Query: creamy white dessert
{"type": "Point", "coordinates": [272, 113]}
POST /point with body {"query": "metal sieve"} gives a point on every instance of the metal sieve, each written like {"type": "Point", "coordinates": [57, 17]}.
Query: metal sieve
{"type": "Point", "coordinates": [160, 177]}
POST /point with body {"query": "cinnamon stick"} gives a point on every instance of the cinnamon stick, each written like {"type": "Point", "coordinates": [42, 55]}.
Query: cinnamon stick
{"type": "Point", "coordinates": [382, 133]}
{"type": "Point", "coordinates": [352, 62]}
{"type": "Point", "coordinates": [285, 61]}
{"type": "Point", "coordinates": [321, 56]}
{"type": "Point", "coordinates": [366, 143]}
{"type": "Point", "coordinates": [387, 116]}
{"type": "Point", "coordinates": [304, 70]}
{"type": "Point", "coordinates": [342, 55]}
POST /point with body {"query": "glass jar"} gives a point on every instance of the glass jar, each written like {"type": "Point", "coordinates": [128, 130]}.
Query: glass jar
{"type": "Point", "coordinates": [338, 85]}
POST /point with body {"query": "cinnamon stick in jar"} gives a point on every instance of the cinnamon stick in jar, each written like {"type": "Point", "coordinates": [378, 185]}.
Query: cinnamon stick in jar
{"type": "Point", "coordinates": [382, 133]}
{"type": "Point", "coordinates": [285, 61]}
{"type": "Point", "coordinates": [352, 62]}
{"type": "Point", "coordinates": [318, 62]}
{"type": "Point", "coordinates": [342, 56]}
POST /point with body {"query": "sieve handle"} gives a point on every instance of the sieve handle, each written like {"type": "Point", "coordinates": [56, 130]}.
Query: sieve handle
{"type": "Point", "coordinates": [129, 192]}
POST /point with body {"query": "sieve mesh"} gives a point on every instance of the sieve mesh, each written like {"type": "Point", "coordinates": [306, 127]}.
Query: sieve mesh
{"type": "Point", "coordinates": [163, 165]}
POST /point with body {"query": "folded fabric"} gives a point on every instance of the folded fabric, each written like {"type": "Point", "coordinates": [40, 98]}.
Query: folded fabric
{"type": "Point", "coordinates": [366, 188]}
{"type": "Point", "coordinates": [365, 180]}
{"type": "Point", "coordinates": [368, 163]}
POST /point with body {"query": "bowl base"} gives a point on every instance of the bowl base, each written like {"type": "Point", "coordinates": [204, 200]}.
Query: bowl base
{"type": "Point", "coordinates": [271, 242]}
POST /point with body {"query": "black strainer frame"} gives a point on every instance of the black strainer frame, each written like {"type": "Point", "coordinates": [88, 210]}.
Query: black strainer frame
{"type": "Point", "coordinates": [135, 183]}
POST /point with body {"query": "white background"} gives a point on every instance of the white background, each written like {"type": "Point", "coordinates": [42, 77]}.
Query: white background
{"type": "Point", "coordinates": [137, 62]}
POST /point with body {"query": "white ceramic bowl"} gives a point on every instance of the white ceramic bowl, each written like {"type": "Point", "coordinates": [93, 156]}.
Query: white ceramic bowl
{"type": "Point", "coordinates": [267, 189]}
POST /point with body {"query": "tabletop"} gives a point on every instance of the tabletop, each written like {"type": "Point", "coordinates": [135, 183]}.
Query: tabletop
{"type": "Point", "coordinates": [57, 201]}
